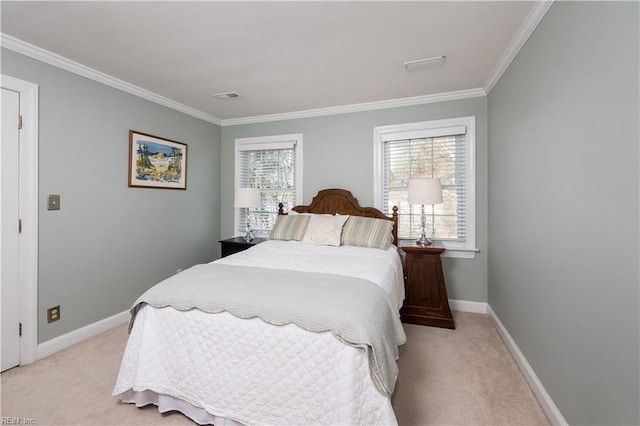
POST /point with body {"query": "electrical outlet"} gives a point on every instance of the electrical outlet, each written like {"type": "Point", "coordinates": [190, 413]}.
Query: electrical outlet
{"type": "Point", "coordinates": [53, 314]}
{"type": "Point", "coordinates": [53, 202]}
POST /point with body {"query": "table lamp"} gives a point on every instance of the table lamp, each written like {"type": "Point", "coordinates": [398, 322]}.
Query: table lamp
{"type": "Point", "coordinates": [248, 198]}
{"type": "Point", "coordinates": [424, 191]}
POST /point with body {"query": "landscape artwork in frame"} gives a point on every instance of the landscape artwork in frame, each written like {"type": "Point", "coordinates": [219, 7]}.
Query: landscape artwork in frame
{"type": "Point", "coordinates": [156, 162]}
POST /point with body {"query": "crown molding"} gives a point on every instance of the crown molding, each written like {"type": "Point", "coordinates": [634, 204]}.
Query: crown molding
{"type": "Point", "coordinates": [368, 106]}
{"type": "Point", "coordinates": [526, 29]}
{"type": "Point", "coordinates": [61, 62]}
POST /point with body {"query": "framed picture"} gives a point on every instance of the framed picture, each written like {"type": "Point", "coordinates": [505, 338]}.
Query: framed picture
{"type": "Point", "coordinates": [156, 162]}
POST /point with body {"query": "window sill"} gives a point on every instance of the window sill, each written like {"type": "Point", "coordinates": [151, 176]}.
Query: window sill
{"type": "Point", "coordinates": [461, 252]}
{"type": "Point", "coordinates": [452, 250]}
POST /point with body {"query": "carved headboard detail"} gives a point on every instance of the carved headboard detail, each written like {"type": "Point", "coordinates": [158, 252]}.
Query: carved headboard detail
{"type": "Point", "coordinates": [341, 201]}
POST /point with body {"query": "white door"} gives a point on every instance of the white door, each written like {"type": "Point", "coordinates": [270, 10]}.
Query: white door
{"type": "Point", "coordinates": [9, 266]}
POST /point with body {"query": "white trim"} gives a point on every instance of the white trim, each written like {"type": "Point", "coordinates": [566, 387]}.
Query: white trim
{"type": "Point", "coordinates": [61, 62]}
{"type": "Point", "coordinates": [538, 11]}
{"type": "Point", "coordinates": [551, 410]}
{"type": "Point", "coordinates": [367, 106]}
{"type": "Point", "coordinates": [28, 208]}
{"type": "Point", "coordinates": [548, 406]}
{"type": "Point", "coordinates": [459, 252]}
{"type": "Point", "coordinates": [267, 142]}
{"type": "Point", "coordinates": [466, 250]}
{"type": "Point", "coordinates": [533, 19]}
{"type": "Point", "coordinates": [468, 306]}
{"type": "Point", "coordinates": [432, 132]}
{"type": "Point", "coordinates": [71, 338]}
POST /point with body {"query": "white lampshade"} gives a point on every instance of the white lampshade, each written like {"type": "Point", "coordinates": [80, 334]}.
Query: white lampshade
{"type": "Point", "coordinates": [425, 191]}
{"type": "Point", "coordinates": [248, 197]}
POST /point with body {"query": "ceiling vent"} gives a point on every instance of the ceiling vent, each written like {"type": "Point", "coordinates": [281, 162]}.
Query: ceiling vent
{"type": "Point", "coordinates": [226, 95]}
{"type": "Point", "coordinates": [424, 63]}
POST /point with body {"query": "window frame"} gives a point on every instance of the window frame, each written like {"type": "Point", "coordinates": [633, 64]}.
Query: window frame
{"type": "Point", "coordinates": [466, 249]}
{"type": "Point", "coordinates": [266, 141]}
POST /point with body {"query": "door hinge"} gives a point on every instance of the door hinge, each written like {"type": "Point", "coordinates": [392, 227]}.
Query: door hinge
{"type": "Point", "coordinates": [19, 122]}
{"type": "Point", "coordinates": [19, 226]}
{"type": "Point", "coordinates": [20, 330]}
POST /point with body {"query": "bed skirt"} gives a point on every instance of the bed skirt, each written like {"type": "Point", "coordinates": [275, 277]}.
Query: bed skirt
{"type": "Point", "coordinates": [166, 403]}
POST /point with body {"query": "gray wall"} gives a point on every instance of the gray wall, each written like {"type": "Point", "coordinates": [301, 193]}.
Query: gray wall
{"type": "Point", "coordinates": [563, 208]}
{"type": "Point", "coordinates": [338, 153]}
{"type": "Point", "coordinates": [109, 243]}
{"type": "Point", "coordinates": [563, 154]}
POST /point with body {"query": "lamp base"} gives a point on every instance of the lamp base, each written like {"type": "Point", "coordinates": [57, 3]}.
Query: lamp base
{"type": "Point", "coordinates": [423, 241]}
{"type": "Point", "coordinates": [247, 236]}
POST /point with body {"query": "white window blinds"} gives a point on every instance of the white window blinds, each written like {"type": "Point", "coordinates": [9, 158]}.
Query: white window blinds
{"type": "Point", "coordinates": [272, 167]}
{"type": "Point", "coordinates": [431, 153]}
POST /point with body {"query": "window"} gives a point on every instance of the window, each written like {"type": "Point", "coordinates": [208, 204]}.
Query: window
{"type": "Point", "coordinates": [443, 149]}
{"type": "Point", "coordinates": [274, 165]}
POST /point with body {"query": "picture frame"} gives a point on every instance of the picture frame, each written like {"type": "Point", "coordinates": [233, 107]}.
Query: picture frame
{"type": "Point", "coordinates": [156, 162]}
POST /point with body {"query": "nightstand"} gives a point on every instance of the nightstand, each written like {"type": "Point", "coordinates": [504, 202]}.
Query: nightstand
{"type": "Point", "coordinates": [237, 244]}
{"type": "Point", "coordinates": [426, 301]}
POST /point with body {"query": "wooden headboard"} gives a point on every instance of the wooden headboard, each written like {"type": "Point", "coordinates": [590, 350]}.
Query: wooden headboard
{"type": "Point", "coordinates": [341, 201]}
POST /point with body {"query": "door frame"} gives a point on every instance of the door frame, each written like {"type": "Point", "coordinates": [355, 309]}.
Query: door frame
{"type": "Point", "coordinates": [28, 208]}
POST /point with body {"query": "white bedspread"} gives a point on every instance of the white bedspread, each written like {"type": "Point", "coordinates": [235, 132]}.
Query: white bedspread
{"type": "Point", "coordinates": [256, 373]}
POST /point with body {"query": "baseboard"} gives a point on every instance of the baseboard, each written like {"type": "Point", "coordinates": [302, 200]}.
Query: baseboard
{"type": "Point", "coordinates": [73, 337]}
{"type": "Point", "coordinates": [468, 306]}
{"type": "Point", "coordinates": [548, 406]}
{"type": "Point", "coordinates": [76, 336]}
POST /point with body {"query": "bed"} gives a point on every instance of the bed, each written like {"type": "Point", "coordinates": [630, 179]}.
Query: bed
{"type": "Point", "coordinates": [316, 343]}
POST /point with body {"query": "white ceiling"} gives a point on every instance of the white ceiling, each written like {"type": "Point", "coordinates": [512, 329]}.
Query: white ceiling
{"type": "Point", "coordinates": [281, 57]}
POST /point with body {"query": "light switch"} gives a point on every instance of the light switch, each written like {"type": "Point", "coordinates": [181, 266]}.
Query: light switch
{"type": "Point", "coordinates": [53, 202]}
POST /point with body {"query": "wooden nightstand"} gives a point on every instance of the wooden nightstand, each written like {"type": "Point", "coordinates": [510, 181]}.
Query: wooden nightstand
{"type": "Point", "coordinates": [426, 301]}
{"type": "Point", "coordinates": [237, 244]}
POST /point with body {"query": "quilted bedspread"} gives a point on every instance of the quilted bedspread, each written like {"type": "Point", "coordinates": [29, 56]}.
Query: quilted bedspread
{"type": "Point", "coordinates": [355, 310]}
{"type": "Point", "coordinates": [250, 371]}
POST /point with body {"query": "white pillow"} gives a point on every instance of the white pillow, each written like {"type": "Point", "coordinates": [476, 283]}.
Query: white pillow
{"type": "Point", "coordinates": [324, 229]}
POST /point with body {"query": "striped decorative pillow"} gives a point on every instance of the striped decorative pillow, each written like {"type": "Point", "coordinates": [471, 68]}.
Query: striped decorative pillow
{"type": "Point", "coordinates": [367, 232]}
{"type": "Point", "coordinates": [289, 227]}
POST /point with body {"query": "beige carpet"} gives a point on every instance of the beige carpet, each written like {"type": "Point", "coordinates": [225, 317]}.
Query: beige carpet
{"type": "Point", "coordinates": [447, 377]}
